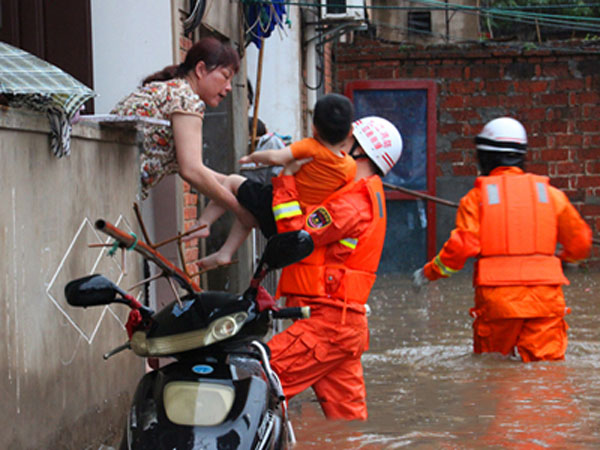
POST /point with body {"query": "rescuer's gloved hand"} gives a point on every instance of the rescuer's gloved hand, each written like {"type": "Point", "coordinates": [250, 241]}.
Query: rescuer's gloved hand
{"type": "Point", "coordinates": [419, 279]}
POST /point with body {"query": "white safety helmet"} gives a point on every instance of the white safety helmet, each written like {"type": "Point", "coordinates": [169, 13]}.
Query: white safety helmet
{"type": "Point", "coordinates": [380, 140]}
{"type": "Point", "coordinates": [503, 134]}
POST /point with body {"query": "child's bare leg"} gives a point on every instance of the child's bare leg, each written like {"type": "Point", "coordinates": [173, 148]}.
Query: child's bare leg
{"type": "Point", "coordinates": [224, 255]}
{"type": "Point", "coordinates": [213, 210]}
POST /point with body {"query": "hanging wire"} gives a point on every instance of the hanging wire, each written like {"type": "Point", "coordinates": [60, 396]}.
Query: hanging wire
{"type": "Point", "coordinates": [516, 14]}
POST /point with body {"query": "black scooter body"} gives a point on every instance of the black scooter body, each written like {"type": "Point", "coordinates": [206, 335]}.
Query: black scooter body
{"type": "Point", "coordinates": [254, 422]}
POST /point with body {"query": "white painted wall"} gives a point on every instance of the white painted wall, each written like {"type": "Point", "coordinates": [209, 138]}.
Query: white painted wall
{"type": "Point", "coordinates": [280, 106]}
{"type": "Point", "coordinates": [130, 40]}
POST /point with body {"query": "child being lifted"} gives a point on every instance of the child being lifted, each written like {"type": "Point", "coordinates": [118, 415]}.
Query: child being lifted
{"type": "Point", "coordinates": [328, 169]}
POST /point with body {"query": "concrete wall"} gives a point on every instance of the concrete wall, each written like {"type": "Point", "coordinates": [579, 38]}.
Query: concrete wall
{"type": "Point", "coordinates": [446, 25]}
{"type": "Point", "coordinates": [280, 103]}
{"type": "Point", "coordinates": [130, 40]}
{"type": "Point", "coordinates": [57, 391]}
{"type": "Point", "coordinates": [554, 91]}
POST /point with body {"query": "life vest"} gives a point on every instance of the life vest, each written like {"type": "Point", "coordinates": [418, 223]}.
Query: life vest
{"type": "Point", "coordinates": [517, 233]}
{"type": "Point", "coordinates": [351, 281]}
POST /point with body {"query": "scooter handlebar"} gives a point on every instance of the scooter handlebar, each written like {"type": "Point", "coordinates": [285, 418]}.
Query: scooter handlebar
{"type": "Point", "coordinates": [301, 312]}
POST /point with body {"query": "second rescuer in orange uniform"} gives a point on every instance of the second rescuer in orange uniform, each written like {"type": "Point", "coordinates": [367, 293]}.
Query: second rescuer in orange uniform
{"type": "Point", "coordinates": [511, 222]}
{"type": "Point", "coordinates": [348, 229]}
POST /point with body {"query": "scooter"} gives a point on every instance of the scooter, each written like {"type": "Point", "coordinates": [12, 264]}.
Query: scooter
{"type": "Point", "coordinates": [220, 392]}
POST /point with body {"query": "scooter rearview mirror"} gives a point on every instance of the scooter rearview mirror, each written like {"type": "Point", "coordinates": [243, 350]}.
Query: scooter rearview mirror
{"type": "Point", "coordinates": [92, 290]}
{"type": "Point", "coordinates": [287, 248]}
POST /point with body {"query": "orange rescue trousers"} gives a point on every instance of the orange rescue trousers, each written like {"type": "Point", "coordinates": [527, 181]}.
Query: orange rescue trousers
{"type": "Point", "coordinates": [322, 353]}
{"type": "Point", "coordinates": [535, 339]}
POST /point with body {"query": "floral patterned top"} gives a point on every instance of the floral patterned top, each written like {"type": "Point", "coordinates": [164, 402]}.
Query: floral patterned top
{"type": "Point", "coordinates": [159, 99]}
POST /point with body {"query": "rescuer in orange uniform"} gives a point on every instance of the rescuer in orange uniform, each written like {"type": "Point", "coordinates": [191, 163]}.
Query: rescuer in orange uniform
{"type": "Point", "coordinates": [511, 222]}
{"type": "Point", "coordinates": [348, 230]}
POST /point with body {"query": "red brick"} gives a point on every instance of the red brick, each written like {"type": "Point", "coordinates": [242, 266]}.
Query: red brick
{"type": "Point", "coordinates": [590, 210]}
{"type": "Point", "coordinates": [568, 140]}
{"type": "Point", "coordinates": [568, 85]}
{"type": "Point", "coordinates": [586, 181]}
{"type": "Point", "coordinates": [536, 141]}
{"type": "Point", "coordinates": [574, 196]}
{"type": "Point", "coordinates": [589, 126]}
{"type": "Point", "coordinates": [485, 72]}
{"type": "Point", "coordinates": [461, 142]}
{"type": "Point", "coordinates": [588, 97]}
{"type": "Point", "coordinates": [380, 72]}
{"type": "Point", "coordinates": [468, 87]}
{"type": "Point", "coordinates": [554, 99]}
{"type": "Point", "coordinates": [589, 153]}
{"type": "Point", "coordinates": [189, 212]}
{"type": "Point", "coordinates": [592, 167]}
{"type": "Point", "coordinates": [540, 168]}
{"type": "Point", "coordinates": [554, 155]}
{"type": "Point", "coordinates": [553, 126]}
{"type": "Point", "coordinates": [567, 167]}
{"type": "Point", "coordinates": [560, 183]}
{"type": "Point", "coordinates": [515, 100]}
{"type": "Point", "coordinates": [497, 86]}
{"type": "Point", "coordinates": [451, 72]}
{"type": "Point", "coordinates": [464, 115]}
{"type": "Point", "coordinates": [190, 199]}
{"type": "Point", "coordinates": [558, 70]}
{"type": "Point", "coordinates": [347, 74]}
{"type": "Point", "coordinates": [531, 86]}
{"type": "Point", "coordinates": [528, 115]}
{"type": "Point", "coordinates": [483, 101]}
{"type": "Point", "coordinates": [447, 128]}
{"type": "Point", "coordinates": [452, 101]}
{"type": "Point", "coordinates": [191, 254]}
{"type": "Point", "coordinates": [452, 156]}
{"type": "Point", "coordinates": [464, 170]}
{"type": "Point", "coordinates": [419, 72]}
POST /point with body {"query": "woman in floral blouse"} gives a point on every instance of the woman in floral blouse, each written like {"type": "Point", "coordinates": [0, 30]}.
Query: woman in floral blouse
{"type": "Point", "coordinates": [179, 93]}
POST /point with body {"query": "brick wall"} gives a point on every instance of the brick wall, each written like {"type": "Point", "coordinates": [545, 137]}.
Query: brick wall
{"type": "Point", "coordinates": [190, 198]}
{"type": "Point", "coordinates": [555, 93]}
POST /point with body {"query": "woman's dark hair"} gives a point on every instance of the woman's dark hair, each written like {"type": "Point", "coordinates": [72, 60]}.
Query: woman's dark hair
{"type": "Point", "coordinates": [210, 50]}
{"type": "Point", "coordinates": [333, 117]}
{"type": "Point", "coordinates": [260, 126]}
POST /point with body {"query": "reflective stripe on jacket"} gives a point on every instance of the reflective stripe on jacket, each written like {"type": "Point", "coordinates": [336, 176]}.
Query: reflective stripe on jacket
{"type": "Point", "coordinates": [518, 226]}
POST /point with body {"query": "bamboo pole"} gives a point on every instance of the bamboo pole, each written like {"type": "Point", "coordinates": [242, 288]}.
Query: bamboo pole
{"type": "Point", "coordinates": [441, 201]}
{"type": "Point", "coordinates": [261, 53]}
{"type": "Point", "coordinates": [422, 195]}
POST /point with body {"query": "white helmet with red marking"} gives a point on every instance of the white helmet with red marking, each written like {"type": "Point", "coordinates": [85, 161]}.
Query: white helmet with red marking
{"type": "Point", "coordinates": [380, 140]}
{"type": "Point", "coordinates": [503, 134]}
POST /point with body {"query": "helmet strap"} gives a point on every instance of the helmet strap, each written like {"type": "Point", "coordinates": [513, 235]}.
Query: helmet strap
{"type": "Point", "coordinates": [353, 148]}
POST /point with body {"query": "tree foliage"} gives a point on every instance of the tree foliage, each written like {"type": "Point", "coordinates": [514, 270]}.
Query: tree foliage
{"type": "Point", "coordinates": [541, 19]}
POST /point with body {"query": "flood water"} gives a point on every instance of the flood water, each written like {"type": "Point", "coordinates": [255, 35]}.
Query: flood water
{"type": "Point", "coordinates": [426, 389]}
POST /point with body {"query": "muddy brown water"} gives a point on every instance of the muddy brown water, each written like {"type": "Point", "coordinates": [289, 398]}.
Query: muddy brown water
{"type": "Point", "coordinates": [426, 390]}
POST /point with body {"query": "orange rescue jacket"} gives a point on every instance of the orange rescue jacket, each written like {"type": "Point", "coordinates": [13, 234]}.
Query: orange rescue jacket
{"type": "Point", "coordinates": [355, 216]}
{"type": "Point", "coordinates": [517, 232]}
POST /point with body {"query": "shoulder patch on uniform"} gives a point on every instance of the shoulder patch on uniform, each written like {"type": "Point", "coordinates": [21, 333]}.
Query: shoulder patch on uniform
{"type": "Point", "coordinates": [319, 218]}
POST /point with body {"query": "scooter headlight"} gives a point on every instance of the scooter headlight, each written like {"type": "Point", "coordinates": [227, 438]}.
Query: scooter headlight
{"type": "Point", "coordinates": [197, 404]}
{"type": "Point", "coordinates": [225, 327]}
{"type": "Point", "coordinates": [220, 329]}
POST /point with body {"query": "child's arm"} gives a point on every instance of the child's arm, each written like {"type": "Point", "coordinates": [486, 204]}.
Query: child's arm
{"type": "Point", "coordinates": [279, 157]}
